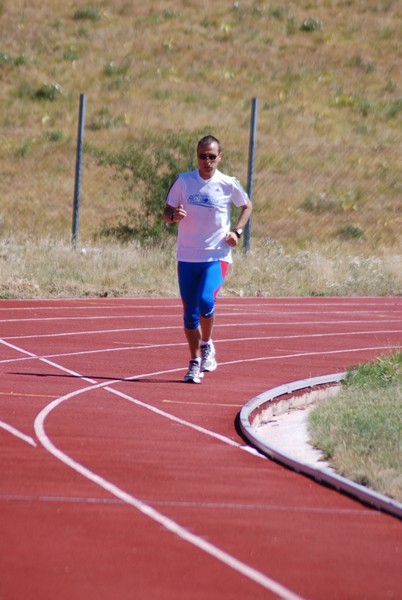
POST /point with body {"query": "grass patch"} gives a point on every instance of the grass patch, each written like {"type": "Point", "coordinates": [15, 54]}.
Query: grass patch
{"type": "Point", "coordinates": [50, 268]}
{"type": "Point", "coordinates": [360, 430]}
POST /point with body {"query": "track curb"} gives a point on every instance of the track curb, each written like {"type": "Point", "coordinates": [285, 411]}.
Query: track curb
{"type": "Point", "coordinates": [339, 483]}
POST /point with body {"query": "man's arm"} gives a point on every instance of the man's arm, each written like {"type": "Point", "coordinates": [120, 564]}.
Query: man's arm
{"type": "Point", "coordinates": [232, 238]}
{"type": "Point", "coordinates": [244, 215]}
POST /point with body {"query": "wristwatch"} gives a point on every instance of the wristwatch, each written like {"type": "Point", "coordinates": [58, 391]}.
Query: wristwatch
{"type": "Point", "coordinates": [238, 232]}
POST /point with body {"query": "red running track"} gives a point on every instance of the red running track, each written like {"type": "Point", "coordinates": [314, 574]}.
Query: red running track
{"type": "Point", "coordinates": [120, 482]}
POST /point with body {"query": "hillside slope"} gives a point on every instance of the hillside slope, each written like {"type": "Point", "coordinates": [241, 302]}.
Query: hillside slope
{"type": "Point", "coordinates": [326, 74]}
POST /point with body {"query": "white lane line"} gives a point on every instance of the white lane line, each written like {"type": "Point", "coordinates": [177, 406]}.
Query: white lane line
{"type": "Point", "coordinates": [220, 341]}
{"type": "Point", "coordinates": [107, 385]}
{"type": "Point", "coordinates": [219, 326]}
{"type": "Point", "coordinates": [245, 310]}
{"type": "Point", "coordinates": [85, 318]}
{"type": "Point", "coordinates": [47, 361]}
{"type": "Point", "coordinates": [379, 303]}
{"type": "Point", "coordinates": [107, 305]}
{"type": "Point", "coordinates": [376, 305]}
{"type": "Point", "coordinates": [92, 332]}
{"type": "Point", "coordinates": [17, 433]}
{"type": "Point", "coordinates": [302, 354]}
{"type": "Point", "coordinates": [169, 524]}
{"type": "Point", "coordinates": [170, 417]}
{"type": "Point", "coordinates": [207, 547]}
{"type": "Point", "coordinates": [13, 430]}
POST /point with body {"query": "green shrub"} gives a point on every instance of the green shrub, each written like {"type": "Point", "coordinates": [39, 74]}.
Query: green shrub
{"type": "Point", "coordinates": [278, 12]}
{"type": "Point", "coordinates": [394, 108]}
{"type": "Point", "coordinates": [56, 135]}
{"type": "Point", "coordinates": [89, 13]}
{"type": "Point", "coordinates": [7, 60]}
{"type": "Point", "coordinates": [103, 119]}
{"type": "Point", "coordinates": [149, 166]}
{"type": "Point", "coordinates": [21, 59]}
{"type": "Point", "coordinates": [23, 150]}
{"type": "Point", "coordinates": [48, 91]}
{"type": "Point", "coordinates": [70, 55]}
{"type": "Point", "coordinates": [350, 232]}
{"type": "Point", "coordinates": [111, 69]}
{"type": "Point", "coordinates": [358, 62]}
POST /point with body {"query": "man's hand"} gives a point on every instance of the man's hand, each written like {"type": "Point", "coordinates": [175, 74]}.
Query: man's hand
{"type": "Point", "coordinates": [231, 239]}
{"type": "Point", "coordinates": [179, 213]}
{"type": "Point", "coordinates": [174, 215]}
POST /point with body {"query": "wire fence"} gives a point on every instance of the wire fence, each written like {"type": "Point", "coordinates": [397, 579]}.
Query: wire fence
{"type": "Point", "coordinates": [311, 184]}
{"type": "Point", "coordinates": [312, 181]}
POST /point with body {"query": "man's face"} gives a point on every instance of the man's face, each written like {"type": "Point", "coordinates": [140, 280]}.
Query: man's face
{"type": "Point", "coordinates": [208, 159]}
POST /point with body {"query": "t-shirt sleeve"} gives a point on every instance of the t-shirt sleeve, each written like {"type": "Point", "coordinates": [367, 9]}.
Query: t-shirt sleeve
{"type": "Point", "coordinates": [239, 196]}
{"type": "Point", "coordinates": [174, 195]}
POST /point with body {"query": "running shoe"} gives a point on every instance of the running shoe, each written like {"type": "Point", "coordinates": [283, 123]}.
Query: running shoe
{"type": "Point", "coordinates": [193, 374]}
{"type": "Point", "coordinates": [208, 360]}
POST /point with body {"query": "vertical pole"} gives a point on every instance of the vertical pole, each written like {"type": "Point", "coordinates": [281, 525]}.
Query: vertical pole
{"type": "Point", "coordinates": [251, 160]}
{"type": "Point", "coordinates": [78, 170]}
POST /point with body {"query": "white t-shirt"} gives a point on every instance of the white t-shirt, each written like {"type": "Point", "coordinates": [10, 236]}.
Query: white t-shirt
{"type": "Point", "coordinates": [201, 234]}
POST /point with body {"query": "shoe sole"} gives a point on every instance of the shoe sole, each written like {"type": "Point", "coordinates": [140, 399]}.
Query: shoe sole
{"type": "Point", "coordinates": [210, 369]}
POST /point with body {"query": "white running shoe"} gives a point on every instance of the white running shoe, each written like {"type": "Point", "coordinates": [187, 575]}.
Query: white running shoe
{"type": "Point", "coordinates": [193, 374]}
{"type": "Point", "coordinates": [208, 360]}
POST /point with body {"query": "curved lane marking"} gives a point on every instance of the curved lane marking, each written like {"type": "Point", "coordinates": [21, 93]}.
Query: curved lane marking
{"type": "Point", "coordinates": [169, 524]}
{"type": "Point", "coordinates": [136, 503]}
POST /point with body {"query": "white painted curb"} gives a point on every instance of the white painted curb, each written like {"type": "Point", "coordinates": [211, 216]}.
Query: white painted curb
{"type": "Point", "coordinates": [341, 484]}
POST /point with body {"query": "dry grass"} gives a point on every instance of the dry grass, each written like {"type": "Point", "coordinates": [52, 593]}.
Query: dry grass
{"type": "Point", "coordinates": [51, 268]}
{"type": "Point", "coordinates": [327, 167]}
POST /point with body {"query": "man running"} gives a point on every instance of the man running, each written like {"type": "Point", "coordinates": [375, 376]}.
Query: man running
{"type": "Point", "coordinates": [200, 202]}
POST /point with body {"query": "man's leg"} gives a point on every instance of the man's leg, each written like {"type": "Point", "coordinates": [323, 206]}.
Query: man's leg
{"type": "Point", "coordinates": [193, 337]}
{"type": "Point", "coordinates": [214, 275]}
{"type": "Point", "coordinates": [211, 284]}
{"type": "Point", "coordinates": [189, 278]}
{"type": "Point", "coordinates": [207, 325]}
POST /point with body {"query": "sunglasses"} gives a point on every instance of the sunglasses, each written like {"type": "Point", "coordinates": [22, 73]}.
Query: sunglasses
{"type": "Point", "coordinates": [207, 156]}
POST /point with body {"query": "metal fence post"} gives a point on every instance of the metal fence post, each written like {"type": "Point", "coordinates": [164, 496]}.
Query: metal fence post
{"type": "Point", "coordinates": [251, 160]}
{"type": "Point", "coordinates": [78, 171]}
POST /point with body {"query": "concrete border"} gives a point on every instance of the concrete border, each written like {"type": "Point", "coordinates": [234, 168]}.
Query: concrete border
{"type": "Point", "coordinates": [341, 484]}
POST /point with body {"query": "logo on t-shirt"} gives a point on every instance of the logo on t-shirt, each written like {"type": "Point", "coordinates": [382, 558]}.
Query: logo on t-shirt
{"type": "Point", "coordinates": [200, 200]}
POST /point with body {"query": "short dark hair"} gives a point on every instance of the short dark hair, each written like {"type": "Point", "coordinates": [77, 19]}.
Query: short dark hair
{"type": "Point", "coordinates": [207, 140]}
